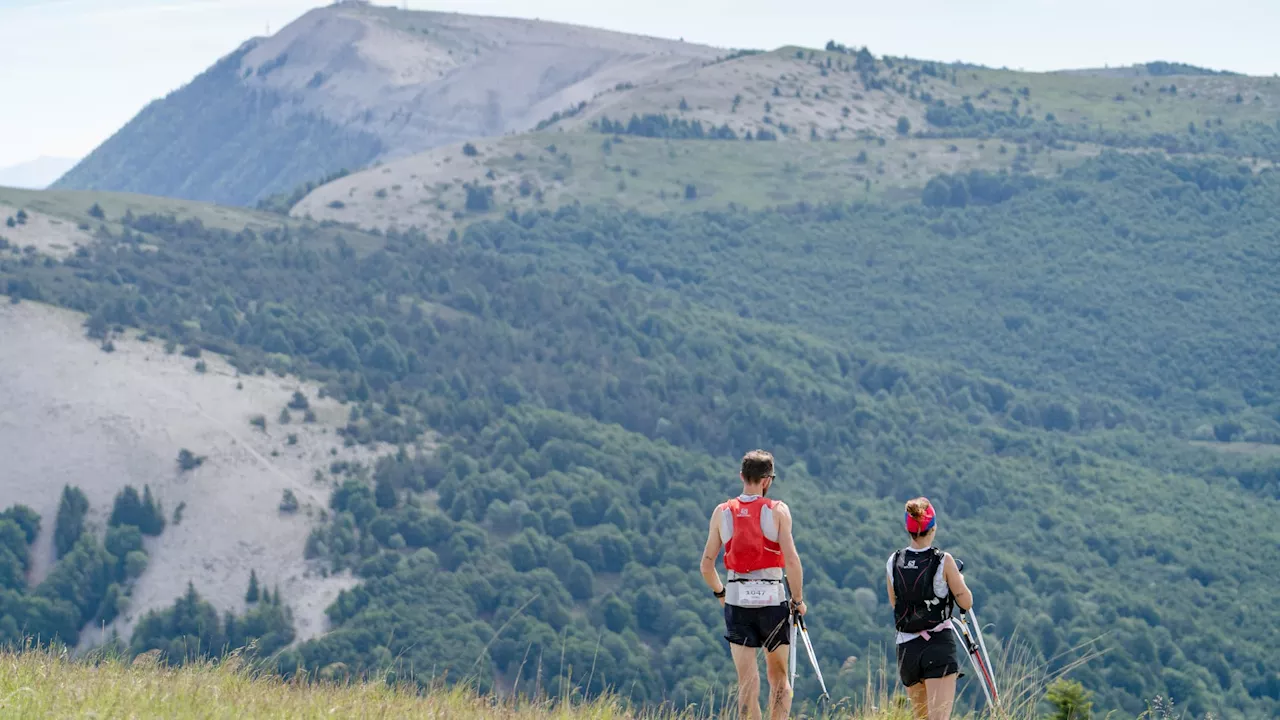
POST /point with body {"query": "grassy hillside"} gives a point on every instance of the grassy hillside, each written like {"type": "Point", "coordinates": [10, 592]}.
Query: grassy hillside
{"type": "Point", "coordinates": [596, 373]}
{"type": "Point", "coordinates": [843, 94]}
{"type": "Point", "coordinates": [837, 126]}
{"type": "Point", "coordinates": [74, 206]}
{"type": "Point", "coordinates": [531, 172]}
{"type": "Point", "coordinates": [62, 220]}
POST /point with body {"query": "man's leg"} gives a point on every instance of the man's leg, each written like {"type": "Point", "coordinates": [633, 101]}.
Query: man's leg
{"type": "Point", "coordinates": [744, 659]}
{"type": "Point", "coordinates": [779, 683]}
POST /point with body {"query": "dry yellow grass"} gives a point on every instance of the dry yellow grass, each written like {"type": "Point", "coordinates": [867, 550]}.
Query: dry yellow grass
{"type": "Point", "coordinates": [50, 684]}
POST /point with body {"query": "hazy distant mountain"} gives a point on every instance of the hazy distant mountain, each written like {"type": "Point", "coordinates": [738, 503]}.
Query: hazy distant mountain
{"type": "Point", "coordinates": [350, 84]}
{"type": "Point", "coordinates": [35, 174]}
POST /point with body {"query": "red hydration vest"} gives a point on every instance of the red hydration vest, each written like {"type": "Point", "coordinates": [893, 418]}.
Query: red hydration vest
{"type": "Point", "coordinates": [748, 549]}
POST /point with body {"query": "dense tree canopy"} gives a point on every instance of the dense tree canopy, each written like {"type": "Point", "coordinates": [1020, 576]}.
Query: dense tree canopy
{"type": "Point", "coordinates": [1033, 358]}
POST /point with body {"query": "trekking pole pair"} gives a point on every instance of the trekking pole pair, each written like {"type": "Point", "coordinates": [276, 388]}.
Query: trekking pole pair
{"type": "Point", "coordinates": [798, 628]}
{"type": "Point", "coordinates": [976, 648]}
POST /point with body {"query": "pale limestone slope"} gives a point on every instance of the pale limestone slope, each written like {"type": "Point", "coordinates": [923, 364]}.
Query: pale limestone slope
{"type": "Point", "coordinates": [73, 414]}
{"type": "Point", "coordinates": [421, 79]}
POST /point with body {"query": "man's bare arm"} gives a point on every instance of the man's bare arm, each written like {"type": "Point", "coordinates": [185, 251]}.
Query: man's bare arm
{"type": "Point", "coordinates": [707, 565]}
{"type": "Point", "coordinates": [790, 556]}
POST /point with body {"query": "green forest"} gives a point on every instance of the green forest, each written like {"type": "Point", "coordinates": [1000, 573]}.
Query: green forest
{"type": "Point", "coordinates": [1036, 356]}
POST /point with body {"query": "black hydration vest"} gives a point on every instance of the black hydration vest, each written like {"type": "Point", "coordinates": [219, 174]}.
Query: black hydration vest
{"type": "Point", "coordinates": [916, 608]}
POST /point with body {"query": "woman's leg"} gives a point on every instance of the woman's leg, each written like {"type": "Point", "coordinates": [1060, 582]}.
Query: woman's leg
{"type": "Point", "coordinates": [941, 694]}
{"type": "Point", "coordinates": [919, 701]}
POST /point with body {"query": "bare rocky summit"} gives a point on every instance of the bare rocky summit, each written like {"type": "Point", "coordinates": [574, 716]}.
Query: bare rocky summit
{"type": "Point", "coordinates": [352, 84]}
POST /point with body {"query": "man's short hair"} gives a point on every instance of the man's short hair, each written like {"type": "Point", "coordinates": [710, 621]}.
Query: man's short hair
{"type": "Point", "coordinates": [756, 466]}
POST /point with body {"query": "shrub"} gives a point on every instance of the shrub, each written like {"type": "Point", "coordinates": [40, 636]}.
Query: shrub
{"type": "Point", "coordinates": [202, 367]}
{"type": "Point", "coordinates": [288, 502]}
{"type": "Point", "coordinates": [479, 198]}
{"type": "Point", "coordinates": [259, 421]}
{"type": "Point", "coordinates": [191, 351]}
{"type": "Point", "coordinates": [470, 150]}
{"type": "Point", "coordinates": [299, 401]}
{"type": "Point", "coordinates": [188, 460]}
{"type": "Point", "coordinates": [904, 125]}
{"type": "Point", "coordinates": [96, 212]}
{"type": "Point", "coordinates": [1070, 700]}
{"type": "Point", "coordinates": [26, 519]}
{"type": "Point", "coordinates": [135, 563]}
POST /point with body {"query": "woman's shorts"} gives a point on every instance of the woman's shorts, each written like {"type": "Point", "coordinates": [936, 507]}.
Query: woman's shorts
{"type": "Point", "coordinates": [930, 659]}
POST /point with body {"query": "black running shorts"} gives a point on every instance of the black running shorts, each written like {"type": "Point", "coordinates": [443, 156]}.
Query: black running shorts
{"type": "Point", "coordinates": [767, 627]}
{"type": "Point", "coordinates": [930, 659]}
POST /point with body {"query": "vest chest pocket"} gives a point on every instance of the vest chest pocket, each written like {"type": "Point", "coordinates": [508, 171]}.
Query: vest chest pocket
{"type": "Point", "coordinates": [759, 593]}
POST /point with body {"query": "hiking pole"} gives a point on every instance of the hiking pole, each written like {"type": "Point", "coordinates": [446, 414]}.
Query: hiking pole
{"type": "Point", "coordinates": [798, 628]}
{"type": "Point", "coordinates": [975, 652]}
{"type": "Point", "coordinates": [976, 648]}
{"type": "Point", "coordinates": [813, 659]}
{"type": "Point", "coordinates": [986, 656]}
{"type": "Point", "coordinates": [792, 651]}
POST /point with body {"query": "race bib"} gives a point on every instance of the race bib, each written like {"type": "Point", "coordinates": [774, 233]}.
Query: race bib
{"type": "Point", "coordinates": [757, 593]}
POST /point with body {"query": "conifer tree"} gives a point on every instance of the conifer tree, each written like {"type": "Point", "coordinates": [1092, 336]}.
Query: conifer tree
{"type": "Point", "coordinates": [152, 514]}
{"type": "Point", "coordinates": [252, 595]}
{"type": "Point", "coordinates": [69, 523]}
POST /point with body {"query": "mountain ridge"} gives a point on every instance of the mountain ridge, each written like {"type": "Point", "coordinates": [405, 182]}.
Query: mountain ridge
{"type": "Point", "coordinates": [36, 174]}
{"type": "Point", "coordinates": [353, 84]}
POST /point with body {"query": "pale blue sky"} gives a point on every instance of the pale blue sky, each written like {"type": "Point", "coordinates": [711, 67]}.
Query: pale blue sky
{"type": "Point", "coordinates": [74, 71]}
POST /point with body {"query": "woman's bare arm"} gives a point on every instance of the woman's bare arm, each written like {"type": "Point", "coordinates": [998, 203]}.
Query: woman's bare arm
{"type": "Point", "coordinates": [955, 582]}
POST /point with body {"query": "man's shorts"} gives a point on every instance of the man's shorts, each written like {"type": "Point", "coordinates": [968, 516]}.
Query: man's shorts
{"type": "Point", "coordinates": [766, 627]}
{"type": "Point", "coordinates": [930, 659]}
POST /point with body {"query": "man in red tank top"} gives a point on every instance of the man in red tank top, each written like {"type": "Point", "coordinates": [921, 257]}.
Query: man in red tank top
{"type": "Point", "coordinates": [755, 534]}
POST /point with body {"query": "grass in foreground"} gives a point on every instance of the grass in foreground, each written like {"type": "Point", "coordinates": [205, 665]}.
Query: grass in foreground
{"type": "Point", "coordinates": [43, 684]}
